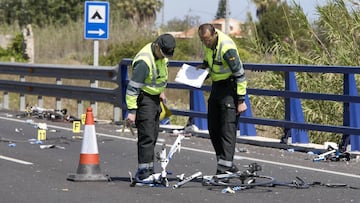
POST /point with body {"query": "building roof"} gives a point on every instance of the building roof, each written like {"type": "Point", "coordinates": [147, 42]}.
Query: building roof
{"type": "Point", "coordinates": [234, 28]}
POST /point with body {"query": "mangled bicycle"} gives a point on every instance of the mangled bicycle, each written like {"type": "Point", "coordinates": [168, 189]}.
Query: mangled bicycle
{"type": "Point", "coordinates": [229, 182]}
{"type": "Point", "coordinates": [247, 178]}
{"type": "Point", "coordinates": [160, 179]}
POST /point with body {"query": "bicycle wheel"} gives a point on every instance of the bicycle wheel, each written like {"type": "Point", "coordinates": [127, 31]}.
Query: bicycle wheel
{"type": "Point", "coordinates": [250, 181]}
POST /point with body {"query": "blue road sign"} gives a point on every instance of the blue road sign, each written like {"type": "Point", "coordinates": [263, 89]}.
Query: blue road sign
{"type": "Point", "coordinates": [96, 20]}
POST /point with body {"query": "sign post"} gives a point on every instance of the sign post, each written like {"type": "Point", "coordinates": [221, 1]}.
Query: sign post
{"type": "Point", "coordinates": [96, 27]}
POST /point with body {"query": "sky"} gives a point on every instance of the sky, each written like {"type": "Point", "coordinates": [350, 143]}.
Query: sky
{"type": "Point", "coordinates": [206, 9]}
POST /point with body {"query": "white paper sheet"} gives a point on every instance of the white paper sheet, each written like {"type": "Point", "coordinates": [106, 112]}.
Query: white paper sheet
{"type": "Point", "coordinates": [190, 75]}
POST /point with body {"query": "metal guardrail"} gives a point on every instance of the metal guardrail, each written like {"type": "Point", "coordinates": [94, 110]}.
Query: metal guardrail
{"type": "Point", "coordinates": [351, 123]}
{"type": "Point", "coordinates": [59, 90]}
{"type": "Point", "coordinates": [118, 75]}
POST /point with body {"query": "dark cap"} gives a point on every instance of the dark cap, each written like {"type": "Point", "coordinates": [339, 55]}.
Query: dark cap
{"type": "Point", "coordinates": [167, 44]}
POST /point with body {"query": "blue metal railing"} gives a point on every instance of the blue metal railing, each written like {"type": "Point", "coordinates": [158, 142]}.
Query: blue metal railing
{"type": "Point", "coordinates": [294, 125]}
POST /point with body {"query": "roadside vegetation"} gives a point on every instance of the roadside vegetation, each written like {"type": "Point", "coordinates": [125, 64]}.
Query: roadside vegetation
{"type": "Point", "coordinates": [281, 34]}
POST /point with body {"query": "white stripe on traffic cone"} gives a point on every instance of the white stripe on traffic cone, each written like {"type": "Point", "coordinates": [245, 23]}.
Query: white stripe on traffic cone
{"type": "Point", "coordinates": [89, 167]}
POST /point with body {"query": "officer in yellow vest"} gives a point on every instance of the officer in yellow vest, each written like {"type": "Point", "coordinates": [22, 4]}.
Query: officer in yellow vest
{"type": "Point", "coordinates": [226, 101]}
{"type": "Point", "coordinates": [143, 95]}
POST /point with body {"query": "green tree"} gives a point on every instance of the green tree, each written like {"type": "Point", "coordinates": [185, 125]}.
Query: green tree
{"type": "Point", "coordinates": [262, 6]}
{"type": "Point", "coordinates": [221, 12]}
{"type": "Point", "coordinates": [182, 24]}
{"type": "Point", "coordinates": [140, 12]}
{"type": "Point", "coordinates": [40, 13]}
{"type": "Point", "coordinates": [272, 25]}
{"type": "Point", "coordinates": [332, 40]}
{"type": "Point", "coordinates": [14, 51]}
{"type": "Point", "coordinates": [10, 11]}
{"type": "Point", "coordinates": [61, 12]}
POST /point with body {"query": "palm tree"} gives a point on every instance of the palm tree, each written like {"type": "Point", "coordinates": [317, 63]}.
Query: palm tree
{"type": "Point", "coordinates": [140, 11]}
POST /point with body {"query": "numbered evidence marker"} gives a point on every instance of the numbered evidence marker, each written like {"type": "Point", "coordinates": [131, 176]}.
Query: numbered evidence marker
{"type": "Point", "coordinates": [83, 117]}
{"type": "Point", "coordinates": [41, 134]}
{"type": "Point", "coordinates": [76, 126]}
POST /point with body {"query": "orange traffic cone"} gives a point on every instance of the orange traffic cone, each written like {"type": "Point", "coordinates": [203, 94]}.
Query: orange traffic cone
{"type": "Point", "coordinates": [89, 168]}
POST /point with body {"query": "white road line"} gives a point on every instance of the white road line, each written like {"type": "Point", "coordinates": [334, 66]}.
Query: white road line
{"type": "Point", "coordinates": [298, 166]}
{"type": "Point", "coordinates": [277, 163]}
{"type": "Point", "coordinates": [15, 160]}
{"type": "Point", "coordinates": [248, 158]}
{"type": "Point", "coordinates": [210, 152]}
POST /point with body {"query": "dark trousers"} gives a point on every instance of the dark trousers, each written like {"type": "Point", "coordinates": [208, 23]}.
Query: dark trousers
{"type": "Point", "coordinates": [222, 119]}
{"type": "Point", "coordinates": [147, 123]}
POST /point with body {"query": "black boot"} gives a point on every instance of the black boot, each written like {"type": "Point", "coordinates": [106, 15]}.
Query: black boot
{"type": "Point", "coordinates": [225, 169]}
{"type": "Point", "coordinates": [144, 175]}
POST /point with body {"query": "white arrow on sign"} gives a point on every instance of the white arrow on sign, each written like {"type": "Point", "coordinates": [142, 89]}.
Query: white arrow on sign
{"type": "Point", "coordinates": [99, 32]}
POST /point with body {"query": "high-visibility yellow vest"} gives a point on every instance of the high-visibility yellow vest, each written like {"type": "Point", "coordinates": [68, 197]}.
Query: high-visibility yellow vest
{"type": "Point", "coordinates": [219, 69]}
{"type": "Point", "coordinates": [156, 81]}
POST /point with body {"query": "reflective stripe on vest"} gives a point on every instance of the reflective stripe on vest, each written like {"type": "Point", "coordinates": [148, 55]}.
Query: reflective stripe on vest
{"type": "Point", "coordinates": [151, 86]}
{"type": "Point", "coordinates": [219, 58]}
{"type": "Point", "coordinates": [219, 70]}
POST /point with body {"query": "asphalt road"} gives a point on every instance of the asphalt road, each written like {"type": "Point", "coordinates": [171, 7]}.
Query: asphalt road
{"type": "Point", "coordinates": [31, 174]}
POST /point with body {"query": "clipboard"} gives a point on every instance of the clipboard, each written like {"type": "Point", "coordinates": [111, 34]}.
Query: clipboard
{"type": "Point", "coordinates": [192, 76]}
